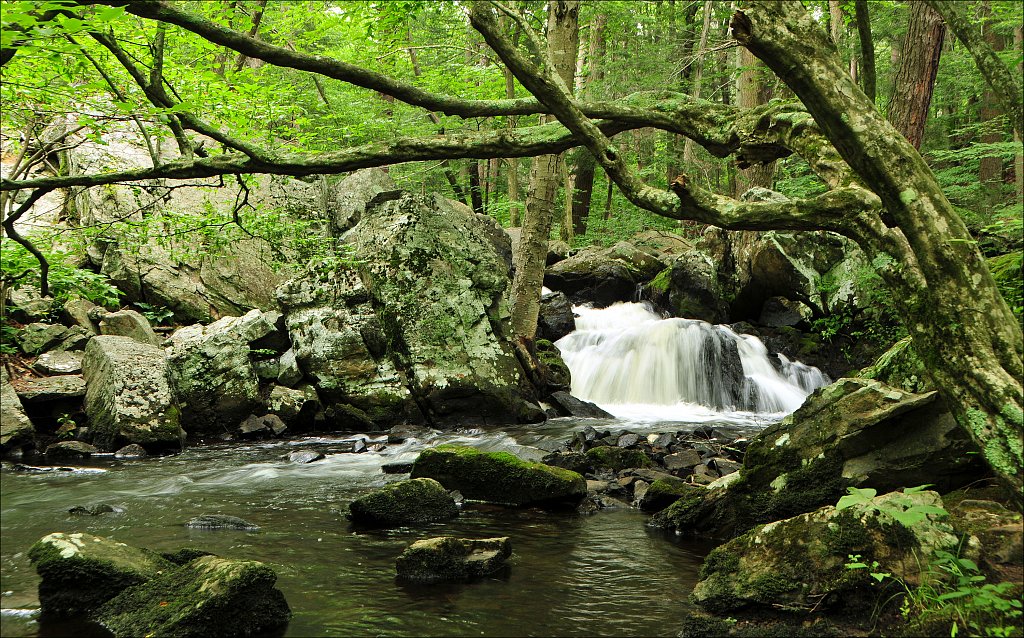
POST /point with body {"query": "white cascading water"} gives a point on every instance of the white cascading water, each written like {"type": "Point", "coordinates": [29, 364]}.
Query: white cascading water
{"type": "Point", "coordinates": [630, 361]}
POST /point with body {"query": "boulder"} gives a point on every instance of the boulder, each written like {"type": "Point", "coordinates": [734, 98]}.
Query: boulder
{"type": "Point", "coordinates": [452, 559]}
{"type": "Point", "coordinates": [800, 562]}
{"type": "Point", "coordinates": [355, 192]}
{"type": "Point", "coordinates": [75, 339]}
{"type": "Point", "coordinates": [555, 374]}
{"type": "Point", "coordinates": [208, 596]}
{"type": "Point", "coordinates": [80, 572]}
{"type": "Point", "coordinates": [779, 312]}
{"type": "Point", "coordinates": [568, 405]}
{"type": "Point", "coordinates": [37, 338]}
{"type": "Point", "coordinates": [128, 323]}
{"type": "Point", "coordinates": [616, 458]}
{"type": "Point", "coordinates": [663, 492]}
{"type": "Point", "coordinates": [294, 406]}
{"type": "Point", "coordinates": [267, 425]}
{"type": "Point", "coordinates": [1000, 531]}
{"type": "Point", "coordinates": [900, 367]}
{"type": "Point", "coordinates": [601, 276]}
{"type": "Point", "coordinates": [690, 288]}
{"type": "Point", "coordinates": [417, 328]}
{"type": "Point", "coordinates": [27, 306]}
{"type": "Point", "coordinates": [131, 451]}
{"type": "Point", "coordinates": [499, 477]}
{"type": "Point", "coordinates": [65, 387]}
{"type": "Point", "coordinates": [306, 456]}
{"type": "Point", "coordinates": [70, 450]}
{"type": "Point", "coordinates": [16, 430]}
{"type": "Point", "coordinates": [288, 373]}
{"type": "Point", "coordinates": [128, 397]}
{"type": "Point", "coordinates": [556, 317]}
{"type": "Point", "coordinates": [212, 374]}
{"type": "Point", "coordinates": [411, 502]}
{"type": "Point", "coordinates": [59, 362]}
{"type": "Point", "coordinates": [77, 313]}
{"type": "Point", "coordinates": [853, 433]}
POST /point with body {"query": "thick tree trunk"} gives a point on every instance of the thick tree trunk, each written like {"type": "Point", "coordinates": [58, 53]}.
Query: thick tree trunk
{"type": "Point", "coordinates": [961, 327]}
{"type": "Point", "coordinates": [563, 42]}
{"type": "Point", "coordinates": [990, 169]}
{"type": "Point", "coordinates": [584, 191]}
{"type": "Point", "coordinates": [867, 48]}
{"type": "Point", "coordinates": [751, 91]}
{"type": "Point", "coordinates": [1018, 159]}
{"type": "Point", "coordinates": [914, 81]}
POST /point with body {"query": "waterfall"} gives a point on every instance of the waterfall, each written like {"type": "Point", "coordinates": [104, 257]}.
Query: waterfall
{"type": "Point", "coordinates": [627, 356]}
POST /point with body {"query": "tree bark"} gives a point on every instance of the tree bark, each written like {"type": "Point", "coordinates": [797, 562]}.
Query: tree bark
{"type": "Point", "coordinates": [867, 48]}
{"type": "Point", "coordinates": [562, 44]}
{"type": "Point", "coordinates": [751, 91]}
{"type": "Point", "coordinates": [962, 329]}
{"type": "Point", "coordinates": [914, 81]}
{"type": "Point", "coordinates": [990, 168]}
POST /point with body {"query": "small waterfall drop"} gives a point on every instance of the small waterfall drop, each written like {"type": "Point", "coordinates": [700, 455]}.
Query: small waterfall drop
{"type": "Point", "coordinates": [629, 360]}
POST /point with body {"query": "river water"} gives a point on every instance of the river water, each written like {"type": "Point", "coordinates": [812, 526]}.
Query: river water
{"type": "Point", "coordinates": [604, 574]}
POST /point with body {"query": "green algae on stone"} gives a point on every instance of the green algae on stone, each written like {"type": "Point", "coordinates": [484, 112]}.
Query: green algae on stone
{"type": "Point", "coordinates": [499, 477]}
{"type": "Point", "coordinates": [617, 458]}
{"type": "Point", "coordinates": [452, 559]}
{"type": "Point", "coordinates": [418, 500]}
{"type": "Point", "coordinates": [79, 571]}
{"type": "Point", "coordinates": [209, 596]}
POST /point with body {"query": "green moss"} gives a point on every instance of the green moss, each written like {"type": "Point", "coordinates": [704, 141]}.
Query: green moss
{"type": "Point", "coordinates": [420, 500]}
{"type": "Point", "coordinates": [847, 535]}
{"type": "Point", "coordinates": [662, 281]}
{"type": "Point", "coordinates": [766, 588]}
{"type": "Point", "coordinates": [721, 560]}
{"type": "Point", "coordinates": [209, 596]}
{"type": "Point", "coordinates": [498, 477]}
{"type": "Point", "coordinates": [617, 458]}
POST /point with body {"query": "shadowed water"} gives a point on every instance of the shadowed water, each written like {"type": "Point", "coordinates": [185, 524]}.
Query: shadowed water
{"type": "Point", "coordinates": [604, 574]}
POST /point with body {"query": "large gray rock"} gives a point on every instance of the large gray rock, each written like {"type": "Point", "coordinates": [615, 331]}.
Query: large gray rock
{"type": "Point", "coordinates": [15, 428]}
{"type": "Point", "coordinates": [800, 562]}
{"type": "Point", "coordinates": [208, 596]}
{"type": "Point", "coordinates": [853, 433]}
{"type": "Point", "coordinates": [36, 338]}
{"type": "Point", "coordinates": [80, 572]}
{"type": "Point", "coordinates": [690, 288]}
{"type": "Point", "coordinates": [417, 328]}
{"type": "Point", "coordinates": [556, 318]}
{"type": "Point", "coordinates": [128, 398]}
{"type": "Point", "coordinates": [78, 311]}
{"type": "Point", "coordinates": [452, 559]}
{"type": "Point", "coordinates": [128, 323]}
{"type": "Point", "coordinates": [59, 362]}
{"type": "Point", "coordinates": [603, 276]}
{"type": "Point", "coordinates": [355, 192]}
{"type": "Point", "coordinates": [293, 405]}
{"type": "Point", "coordinates": [212, 374]}
{"type": "Point", "coordinates": [410, 502]}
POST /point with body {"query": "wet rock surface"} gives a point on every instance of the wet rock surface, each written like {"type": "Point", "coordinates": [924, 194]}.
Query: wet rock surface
{"type": "Point", "coordinates": [409, 502]}
{"type": "Point", "coordinates": [221, 522]}
{"type": "Point", "coordinates": [452, 559]}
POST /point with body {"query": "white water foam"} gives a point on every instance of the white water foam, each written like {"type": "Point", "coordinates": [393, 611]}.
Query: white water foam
{"type": "Point", "coordinates": [637, 365]}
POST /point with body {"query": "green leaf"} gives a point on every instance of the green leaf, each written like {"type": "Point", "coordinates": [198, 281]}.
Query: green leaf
{"type": "Point", "coordinates": [919, 488]}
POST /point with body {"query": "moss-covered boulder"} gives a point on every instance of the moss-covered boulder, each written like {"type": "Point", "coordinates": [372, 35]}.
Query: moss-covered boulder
{"type": "Point", "coordinates": [452, 559]}
{"type": "Point", "coordinates": [855, 432]}
{"type": "Point", "coordinates": [419, 500]}
{"type": "Point", "coordinates": [209, 596]}
{"type": "Point", "coordinates": [664, 492]}
{"type": "Point", "coordinates": [800, 563]}
{"type": "Point", "coordinates": [80, 572]}
{"type": "Point", "coordinates": [900, 367]}
{"type": "Point", "coordinates": [499, 477]}
{"type": "Point", "coordinates": [618, 458]}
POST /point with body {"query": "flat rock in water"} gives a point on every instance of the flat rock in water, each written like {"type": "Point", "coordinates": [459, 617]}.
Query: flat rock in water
{"type": "Point", "coordinates": [452, 559]}
{"type": "Point", "coordinates": [131, 451]}
{"type": "Point", "coordinates": [398, 467]}
{"type": "Point", "coordinates": [306, 456]}
{"type": "Point", "coordinates": [95, 509]}
{"type": "Point", "coordinates": [70, 449]}
{"type": "Point", "coordinates": [59, 362]}
{"type": "Point", "coordinates": [568, 405]}
{"type": "Point", "coordinates": [68, 386]}
{"type": "Point", "coordinates": [221, 521]}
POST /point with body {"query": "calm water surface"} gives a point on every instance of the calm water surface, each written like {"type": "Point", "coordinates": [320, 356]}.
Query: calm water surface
{"type": "Point", "coordinates": [604, 574]}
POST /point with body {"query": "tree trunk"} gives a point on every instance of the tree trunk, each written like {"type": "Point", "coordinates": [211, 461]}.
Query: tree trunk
{"type": "Point", "coordinates": [697, 78]}
{"type": "Point", "coordinates": [563, 42]}
{"type": "Point", "coordinates": [867, 49]}
{"type": "Point", "coordinates": [583, 167]}
{"type": "Point", "coordinates": [961, 327]}
{"type": "Point", "coordinates": [990, 169]}
{"type": "Point", "coordinates": [751, 91]}
{"type": "Point", "coordinates": [1018, 159]}
{"type": "Point", "coordinates": [915, 78]}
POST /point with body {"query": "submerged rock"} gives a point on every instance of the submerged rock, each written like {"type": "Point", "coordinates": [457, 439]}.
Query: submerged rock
{"type": "Point", "coordinates": [221, 521]}
{"type": "Point", "coordinates": [499, 477]}
{"type": "Point", "coordinates": [80, 572]}
{"type": "Point", "coordinates": [306, 456]}
{"type": "Point", "coordinates": [209, 596]}
{"type": "Point", "coordinates": [418, 500]}
{"type": "Point", "coordinates": [128, 397]}
{"type": "Point", "coordinates": [95, 509]}
{"type": "Point", "coordinates": [800, 562]}
{"type": "Point", "coordinates": [452, 559]}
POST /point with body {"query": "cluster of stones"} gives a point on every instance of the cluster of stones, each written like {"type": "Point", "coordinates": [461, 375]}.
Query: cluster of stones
{"type": "Point", "coordinates": [137, 592]}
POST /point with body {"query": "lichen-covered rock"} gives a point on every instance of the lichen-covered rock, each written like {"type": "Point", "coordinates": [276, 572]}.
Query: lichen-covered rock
{"type": "Point", "coordinates": [554, 372]}
{"type": "Point", "coordinates": [57, 362]}
{"type": "Point", "coordinates": [417, 328]}
{"type": "Point", "coordinates": [212, 374]}
{"type": "Point", "coordinates": [420, 500]}
{"type": "Point", "coordinates": [36, 338]}
{"type": "Point", "coordinates": [452, 559]}
{"type": "Point", "coordinates": [209, 596]}
{"type": "Point", "coordinates": [617, 458]}
{"type": "Point", "coordinates": [80, 572]}
{"type": "Point", "coordinates": [295, 406]}
{"type": "Point", "coordinates": [499, 477]}
{"type": "Point", "coordinates": [800, 562]}
{"type": "Point", "coordinates": [16, 430]}
{"type": "Point", "coordinates": [65, 387]}
{"type": "Point", "coordinates": [355, 192]}
{"type": "Point", "coordinates": [77, 312]}
{"type": "Point", "coordinates": [900, 367]}
{"type": "Point", "coordinates": [690, 288]}
{"type": "Point", "coordinates": [855, 432]}
{"type": "Point", "coordinates": [128, 323]}
{"type": "Point", "coordinates": [128, 398]}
